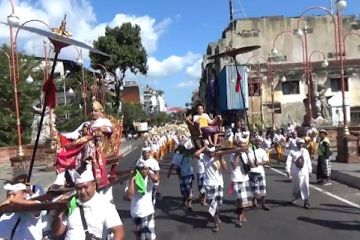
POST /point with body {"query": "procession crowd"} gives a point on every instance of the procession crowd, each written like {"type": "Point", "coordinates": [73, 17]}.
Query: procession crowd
{"type": "Point", "coordinates": [90, 212]}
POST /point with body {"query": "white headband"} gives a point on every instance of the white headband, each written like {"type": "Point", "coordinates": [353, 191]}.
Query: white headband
{"type": "Point", "coordinates": [15, 187]}
{"type": "Point", "coordinates": [86, 176]}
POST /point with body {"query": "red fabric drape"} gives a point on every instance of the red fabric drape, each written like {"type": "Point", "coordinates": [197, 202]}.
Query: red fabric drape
{"type": "Point", "coordinates": [50, 93]}
{"type": "Point", "coordinates": [238, 82]}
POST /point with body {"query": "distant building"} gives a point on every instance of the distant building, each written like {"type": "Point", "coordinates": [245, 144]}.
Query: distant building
{"type": "Point", "coordinates": [131, 92]}
{"type": "Point", "coordinates": [153, 100]}
{"type": "Point", "coordinates": [290, 95]}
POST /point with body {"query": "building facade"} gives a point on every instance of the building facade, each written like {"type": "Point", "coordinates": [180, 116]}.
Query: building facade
{"type": "Point", "coordinates": [153, 100]}
{"type": "Point", "coordinates": [285, 70]}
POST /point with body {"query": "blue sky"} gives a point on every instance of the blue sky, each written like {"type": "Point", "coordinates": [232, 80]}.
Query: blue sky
{"type": "Point", "coordinates": [176, 33]}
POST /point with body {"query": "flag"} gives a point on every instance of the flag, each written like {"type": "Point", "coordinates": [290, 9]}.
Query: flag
{"type": "Point", "coordinates": [50, 92]}
{"type": "Point", "coordinates": [72, 205]}
{"type": "Point", "coordinates": [140, 183]}
{"type": "Point", "coordinates": [238, 82]}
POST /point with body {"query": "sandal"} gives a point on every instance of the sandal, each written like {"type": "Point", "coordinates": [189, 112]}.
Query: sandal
{"type": "Point", "coordinates": [239, 223]}
{"type": "Point", "coordinates": [216, 227]}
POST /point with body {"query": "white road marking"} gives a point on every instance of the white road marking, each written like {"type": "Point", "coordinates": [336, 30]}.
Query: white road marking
{"type": "Point", "coordinates": [127, 152]}
{"type": "Point", "coordinates": [325, 192]}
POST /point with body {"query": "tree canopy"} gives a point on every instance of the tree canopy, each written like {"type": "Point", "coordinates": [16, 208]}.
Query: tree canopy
{"type": "Point", "coordinates": [27, 94]}
{"type": "Point", "coordinates": [127, 53]}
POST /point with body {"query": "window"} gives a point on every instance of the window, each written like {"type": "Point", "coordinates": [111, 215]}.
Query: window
{"type": "Point", "coordinates": [333, 54]}
{"type": "Point", "coordinates": [278, 58]}
{"type": "Point", "coordinates": [254, 88]}
{"type": "Point", "coordinates": [335, 84]}
{"type": "Point", "coordinates": [355, 115]}
{"type": "Point", "coordinates": [291, 87]}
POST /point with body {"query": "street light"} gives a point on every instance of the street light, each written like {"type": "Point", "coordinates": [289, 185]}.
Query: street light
{"type": "Point", "coordinates": [283, 79]}
{"type": "Point", "coordinates": [80, 61]}
{"type": "Point", "coordinates": [29, 79]}
{"type": "Point", "coordinates": [302, 34]}
{"type": "Point", "coordinates": [340, 4]}
{"type": "Point", "coordinates": [67, 72]}
{"type": "Point", "coordinates": [275, 52]}
{"type": "Point", "coordinates": [13, 21]}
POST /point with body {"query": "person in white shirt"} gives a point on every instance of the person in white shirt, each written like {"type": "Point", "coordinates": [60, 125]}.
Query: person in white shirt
{"type": "Point", "coordinates": [299, 168]}
{"type": "Point", "coordinates": [291, 142]}
{"type": "Point", "coordinates": [241, 165]}
{"type": "Point", "coordinates": [91, 216]}
{"type": "Point", "coordinates": [257, 174]}
{"type": "Point", "coordinates": [139, 190]}
{"type": "Point", "coordinates": [20, 225]}
{"type": "Point", "coordinates": [182, 160]}
{"type": "Point", "coordinates": [154, 168]}
{"type": "Point", "coordinates": [214, 183]}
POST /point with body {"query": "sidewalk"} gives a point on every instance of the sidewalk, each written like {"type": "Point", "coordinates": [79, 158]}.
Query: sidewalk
{"type": "Point", "coordinates": [345, 173]}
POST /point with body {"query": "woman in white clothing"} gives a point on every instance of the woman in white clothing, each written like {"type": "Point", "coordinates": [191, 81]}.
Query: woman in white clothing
{"type": "Point", "coordinates": [298, 168]}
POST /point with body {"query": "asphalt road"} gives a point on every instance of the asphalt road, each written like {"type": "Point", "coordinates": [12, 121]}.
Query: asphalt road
{"type": "Point", "coordinates": [328, 219]}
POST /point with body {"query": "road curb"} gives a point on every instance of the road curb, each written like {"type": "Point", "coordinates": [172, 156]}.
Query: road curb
{"type": "Point", "coordinates": [342, 177]}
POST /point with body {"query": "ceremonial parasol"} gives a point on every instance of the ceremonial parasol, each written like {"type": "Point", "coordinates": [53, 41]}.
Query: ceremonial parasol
{"type": "Point", "coordinates": [60, 38]}
{"type": "Point", "coordinates": [235, 51]}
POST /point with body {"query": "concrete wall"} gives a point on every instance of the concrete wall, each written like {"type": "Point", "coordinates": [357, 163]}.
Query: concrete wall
{"type": "Point", "coordinates": [320, 37]}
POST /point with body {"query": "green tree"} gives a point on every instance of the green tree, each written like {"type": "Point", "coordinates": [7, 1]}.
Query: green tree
{"type": "Point", "coordinates": [133, 112]}
{"type": "Point", "coordinates": [127, 54]}
{"type": "Point", "coordinates": [27, 94]}
{"type": "Point", "coordinates": [161, 118]}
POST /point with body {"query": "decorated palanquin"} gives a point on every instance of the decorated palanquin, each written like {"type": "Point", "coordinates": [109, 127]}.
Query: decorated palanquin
{"type": "Point", "coordinates": [98, 145]}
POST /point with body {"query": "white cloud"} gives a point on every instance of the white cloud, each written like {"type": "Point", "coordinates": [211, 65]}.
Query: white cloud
{"type": "Point", "coordinates": [187, 84]}
{"type": "Point", "coordinates": [194, 70]}
{"type": "Point", "coordinates": [150, 30]}
{"type": "Point", "coordinates": [170, 65]}
{"type": "Point", "coordinates": [81, 21]}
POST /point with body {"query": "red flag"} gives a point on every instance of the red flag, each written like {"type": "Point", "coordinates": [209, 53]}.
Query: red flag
{"type": "Point", "coordinates": [50, 93]}
{"type": "Point", "coordinates": [238, 82]}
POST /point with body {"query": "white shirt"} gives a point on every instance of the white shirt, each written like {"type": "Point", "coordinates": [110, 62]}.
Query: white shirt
{"type": "Point", "coordinates": [261, 157]}
{"type": "Point", "coordinates": [142, 205]}
{"type": "Point", "coordinates": [291, 159]}
{"type": "Point", "coordinates": [200, 167]}
{"type": "Point", "coordinates": [100, 216]}
{"type": "Point", "coordinates": [266, 144]}
{"type": "Point", "coordinates": [291, 145]}
{"type": "Point", "coordinates": [29, 227]}
{"type": "Point", "coordinates": [238, 174]}
{"type": "Point", "coordinates": [213, 174]}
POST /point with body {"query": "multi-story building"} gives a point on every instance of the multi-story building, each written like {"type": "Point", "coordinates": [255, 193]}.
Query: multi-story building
{"type": "Point", "coordinates": [153, 100]}
{"type": "Point", "coordinates": [285, 68]}
{"type": "Point", "coordinates": [131, 92]}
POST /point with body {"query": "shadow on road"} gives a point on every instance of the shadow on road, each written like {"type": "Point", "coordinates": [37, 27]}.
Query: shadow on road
{"type": "Point", "coordinates": [339, 225]}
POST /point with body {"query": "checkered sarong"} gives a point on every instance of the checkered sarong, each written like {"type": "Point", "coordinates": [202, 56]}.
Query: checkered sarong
{"type": "Point", "coordinates": [326, 167]}
{"type": "Point", "coordinates": [323, 168]}
{"type": "Point", "coordinates": [200, 181]}
{"type": "Point", "coordinates": [214, 193]}
{"type": "Point", "coordinates": [257, 184]}
{"type": "Point", "coordinates": [186, 183]}
{"type": "Point", "coordinates": [243, 194]}
{"type": "Point", "coordinates": [145, 228]}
